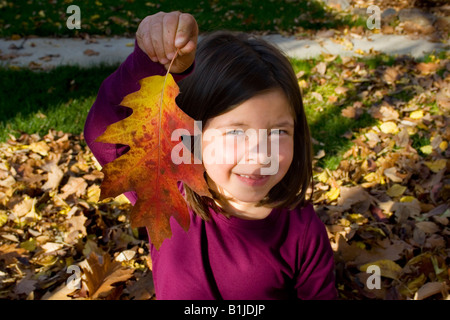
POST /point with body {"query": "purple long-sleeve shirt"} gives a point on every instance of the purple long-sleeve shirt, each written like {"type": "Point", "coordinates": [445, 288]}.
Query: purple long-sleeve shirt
{"type": "Point", "coordinates": [285, 255]}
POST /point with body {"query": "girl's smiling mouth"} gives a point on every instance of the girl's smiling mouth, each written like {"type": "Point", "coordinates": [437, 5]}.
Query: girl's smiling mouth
{"type": "Point", "coordinates": [253, 179]}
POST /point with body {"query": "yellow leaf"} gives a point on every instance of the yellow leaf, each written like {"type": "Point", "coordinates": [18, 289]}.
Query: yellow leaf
{"type": "Point", "coordinates": [3, 218]}
{"type": "Point", "coordinates": [420, 125]}
{"type": "Point", "coordinates": [46, 260]}
{"type": "Point", "coordinates": [437, 165]}
{"type": "Point", "coordinates": [388, 268]}
{"type": "Point", "coordinates": [98, 3]}
{"type": "Point", "coordinates": [357, 218]}
{"type": "Point", "coordinates": [93, 193]}
{"type": "Point", "coordinates": [95, 17]}
{"type": "Point", "coordinates": [427, 149]}
{"type": "Point", "coordinates": [303, 84]}
{"type": "Point", "coordinates": [323, 177]}
{"type": "Point", "coordinates": [416, 114]}
{"type": "Point", "coordinates": [40, 147]}
{"type": "Point", "coordinates": [121, 199]}
{"type": "Point", "coordinates": [396, 190]}
{"type": "Point", "coordinates": [443, 145]}
{"type": "Point", "coordinates": [389, 127]}
{"type": "Point", "coordinates": [29, 245]}
{"type": "Point", "coordinates": [413, 285]}
{"type": "Point", "coordinates": [407, 199]}
{"type": "Point", "coordinates": [333, 194]}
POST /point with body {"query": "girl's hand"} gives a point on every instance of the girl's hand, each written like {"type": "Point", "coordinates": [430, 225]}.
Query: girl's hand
{"type": "Point", "coordinates": [161, 34]}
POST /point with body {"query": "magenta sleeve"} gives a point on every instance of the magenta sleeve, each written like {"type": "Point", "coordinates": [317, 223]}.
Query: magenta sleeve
{"type": "Point", "coordinates": [107, 109]}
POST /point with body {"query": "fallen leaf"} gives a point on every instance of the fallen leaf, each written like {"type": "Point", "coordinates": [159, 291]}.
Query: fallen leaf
{"type": "Point", "coordinates": [418, 114]}
{"type": "Point", "coordinates": [436, 165]}
{"type": "Point", "coordinates": [427, 67]}
{"type": "Point", "coordinates": [396, 190]}
{"type": "Point", "coordinates": [429, 289]}
{"type": "Point", "coordinates": [388, 268]}
{"type": "Point", "coordinates": [75, 185]}
{"type": "Point", "coordinates": [390, 75]}
{"type": "Point", "coordinates": [427, 227]}
{"type": "Point", "coordinates": [389, 127]}
{"type": "Point", "coordinates": [90, 52]}
{"type": "Point", "coordinates": [10, 252]}
{"type": "Point", "coordinates": [321, 68]}
{"type": "Point", "coordinates": [55, 175]}
{"type": "Point", "coordinates": [102, 274]}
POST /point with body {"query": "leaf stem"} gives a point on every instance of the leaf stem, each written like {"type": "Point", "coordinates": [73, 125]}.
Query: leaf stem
{"type": "Point", "coordinates": [160, 113]}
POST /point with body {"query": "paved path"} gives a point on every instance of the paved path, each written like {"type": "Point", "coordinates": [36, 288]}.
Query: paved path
{"type": "Point", "coordinates": [48, 52]}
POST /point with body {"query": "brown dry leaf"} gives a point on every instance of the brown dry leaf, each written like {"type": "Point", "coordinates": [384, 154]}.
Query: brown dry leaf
{"type": "Point", "coordinates": [428, 227]}
{"type": "Point", "coordinates": [388, 268]}
{"type": "Point", "coordinates": [76, 186]}
{"type": "Point", "coordinates": [341, 90]}
{"type": "Point", "coordinates": [384, 113]}
{"type": "Point", "coordinates": [103, 273]}
{"type": "Point", "coordinates": [352, 112]}
{"type": "Point", "coordinates": [391, 173]}
{"type": "Point", "coordinates": [55, 175]}
{"type": "Point", "coordinates": [143, 288]}
{"type": "Point", "coordinates": [75, 227]}
{"type": "Point", "coordinates": [25, 286]}
{"type": "Point", "coordinates": [90, 52]}
{"type": "Point", "coordinates": [431, 288]}
{"type": "Point", "coordinates": [427, 68]}
{"type": "Point", "coordinates": [10, 252]}
{"type": "Point", "coordinates": [321, 68]}
{"type": "Point", "coordinates": [390, 75]}
{"type": "Point", "coordinates": [352, 196]}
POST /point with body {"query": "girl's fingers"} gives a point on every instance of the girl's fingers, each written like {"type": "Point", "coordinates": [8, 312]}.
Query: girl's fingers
{"type": "Point", "coordinates": [157, 41]}
{"type": "Point", "coordinates": [147, 42]}
{"type": "Point", "coordinates": [162, 34]}
{"type": "Point", "coordinates": [170, 24]}
{"type": "Point", "coordinates": [187, 31]}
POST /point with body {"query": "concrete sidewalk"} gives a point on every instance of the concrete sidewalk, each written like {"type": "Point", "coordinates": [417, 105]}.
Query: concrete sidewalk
{"type": "Point", "coordinates": [45, 53]}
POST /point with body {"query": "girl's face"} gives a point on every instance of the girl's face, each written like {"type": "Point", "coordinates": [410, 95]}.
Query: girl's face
{"type": "Point", "coordinates": [246, 166]}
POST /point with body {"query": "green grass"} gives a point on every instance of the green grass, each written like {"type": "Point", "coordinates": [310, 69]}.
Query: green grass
{"type": "Point", "coordinates": [112, 17]}
{"type": "Point", "coordinates": [326, 122]}
{"type": "Point", "coordinates": [38, 101]}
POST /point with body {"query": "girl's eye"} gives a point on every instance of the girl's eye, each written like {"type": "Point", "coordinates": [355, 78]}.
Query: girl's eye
{"type": "Point", "coordinates": [234, 132]}
{"type": "Point", "coordinates": [278, 131]}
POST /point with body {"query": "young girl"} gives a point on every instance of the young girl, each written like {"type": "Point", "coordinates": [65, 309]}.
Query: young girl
{"type": "Point", "coordinates": [257, 238]}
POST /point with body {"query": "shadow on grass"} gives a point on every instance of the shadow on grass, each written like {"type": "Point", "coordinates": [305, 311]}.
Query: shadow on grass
{"type": "Point", "coordinates": [38, 101]}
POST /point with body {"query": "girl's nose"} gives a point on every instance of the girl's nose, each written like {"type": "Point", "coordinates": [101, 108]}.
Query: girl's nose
{"type": "Point", "coordinates": [257, 148]}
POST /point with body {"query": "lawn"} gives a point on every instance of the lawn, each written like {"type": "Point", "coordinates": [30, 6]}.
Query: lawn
{"type": "Point", "coordinates": [109, 17]}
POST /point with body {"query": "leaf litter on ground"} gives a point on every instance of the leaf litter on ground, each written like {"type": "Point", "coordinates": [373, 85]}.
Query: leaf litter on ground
{"type": "Point", "coordinates": [386, 204]}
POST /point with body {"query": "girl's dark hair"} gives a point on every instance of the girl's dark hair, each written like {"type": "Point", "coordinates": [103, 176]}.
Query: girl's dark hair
{"type": "Point", "coordinates": [231, 68]}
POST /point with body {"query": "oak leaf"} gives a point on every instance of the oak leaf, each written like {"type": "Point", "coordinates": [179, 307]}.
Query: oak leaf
{"type": "Point", "coordinates": [148, 168]}
{"type": "Point", "coordinates": [103, 273]}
